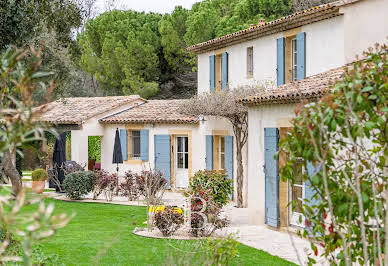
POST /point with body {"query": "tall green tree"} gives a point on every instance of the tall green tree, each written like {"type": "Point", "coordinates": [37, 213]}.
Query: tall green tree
{"type": "Point", "coordinates": [172, 29]}
{"type": "Point", "coordinates": [122, 50]}
{"type": "Point", "coordinates": [46, 23]}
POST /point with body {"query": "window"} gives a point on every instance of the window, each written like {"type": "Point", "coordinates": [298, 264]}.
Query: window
{"type": "Point", "coordinates": [297, 196]}
{"type": "Point", "coordinates": [250, 62]}
{"type": "Point", "coordinates": [135, 144]}
{"type": "Point", "coordinates": [222, 153]}
{"type": "Point", "coordinates": [294, 62]}
{"type": "Point", "coordinates": [182, 152]}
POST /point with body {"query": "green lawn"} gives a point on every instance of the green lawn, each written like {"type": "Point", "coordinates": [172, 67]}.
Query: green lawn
{"type": "Point", "coordinates": [103, 233]}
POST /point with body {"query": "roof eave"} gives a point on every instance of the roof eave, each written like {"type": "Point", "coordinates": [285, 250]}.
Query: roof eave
{"type": "Point", "coordinates": [268, 29]}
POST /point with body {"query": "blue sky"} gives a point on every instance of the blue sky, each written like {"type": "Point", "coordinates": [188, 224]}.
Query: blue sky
{"type": "Point", "coordinates": [159, 6]}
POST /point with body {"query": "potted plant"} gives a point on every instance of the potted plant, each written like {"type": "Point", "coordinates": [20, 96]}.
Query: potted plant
{"type": "Point", "coordinates": [39, 177]}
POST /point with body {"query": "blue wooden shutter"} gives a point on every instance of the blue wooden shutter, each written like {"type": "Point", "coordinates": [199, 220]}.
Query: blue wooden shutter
{"type": "Point", "coordinates": [229, 156]}
{"type": "Point", "coordinates": [301, 55]}
{"type": "Point", "coordinates": [209, 152]}
{"type": "Point", "coordinates": [271, 138]}
{"type": "Point", "coordinates": [224, 70]}
{"type": "Point", "coordinates": [162, 156]}
{"type": "Point", "coordinates": [310, 193]}
{"type": "Point", "coordinates": [280, 71]}
{"type": "Point", "coordinates": [123, 141]}
{"type": "Point", "coordinates": [144, 144]}
{"type": "Point", "coordinates": [212, 72]}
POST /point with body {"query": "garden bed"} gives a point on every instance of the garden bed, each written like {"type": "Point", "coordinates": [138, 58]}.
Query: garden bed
{"type": "Point", "coordinates": [180, 234]}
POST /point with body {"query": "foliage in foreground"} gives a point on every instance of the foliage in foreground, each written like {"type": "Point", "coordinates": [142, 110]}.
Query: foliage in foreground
{"type": "Point", "coordinates": [31, 228]}
{"type": "Point", "coordinates": [345, 136]}
{"type": "Point", "coordinates": [20, 77]}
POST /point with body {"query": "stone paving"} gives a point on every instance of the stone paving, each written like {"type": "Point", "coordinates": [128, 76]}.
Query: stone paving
{"type": "Point", "coordinates": [282, 244]}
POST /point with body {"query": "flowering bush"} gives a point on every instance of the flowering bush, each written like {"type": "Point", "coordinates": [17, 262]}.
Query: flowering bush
{"type": "Point", "coordinates": [130, 188]}
{"type": "Point", "coordinates": [151, 184]}
{"type": "Point", "coordinates": [105, 183]}
{"type": "Point", "coordinates": [168, 220]}
{"type": "Point", "coordinates": [205, 214]}
{"type": "Point", "coordinates": [217, 182]}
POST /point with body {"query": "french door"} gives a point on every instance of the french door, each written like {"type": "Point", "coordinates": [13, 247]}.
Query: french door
{"type": "Point", "coordinates": [297, 197]}
{"type": "Point", "coordinates": [181, 162]}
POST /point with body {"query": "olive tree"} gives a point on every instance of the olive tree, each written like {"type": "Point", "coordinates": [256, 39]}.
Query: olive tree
{"type": "Point", "coordinates": [345, 136]}
{"type": "Point", "coordinates": [20, 77]}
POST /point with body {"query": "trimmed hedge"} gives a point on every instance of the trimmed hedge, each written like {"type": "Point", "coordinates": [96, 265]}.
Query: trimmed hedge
{"type": "Point", "coordinates": [78, 184]}
{"type": "Point", "coordinates": [39, 175]}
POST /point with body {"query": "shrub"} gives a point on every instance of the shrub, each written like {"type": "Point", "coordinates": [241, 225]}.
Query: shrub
{"type": "Point", "coordinates": [78, 184]}
{"type": "Point", "coordinates": [169, 220]}
{"type": "Point", "coordinates": [104, 183]}
{"type": "Point", "coordinates": [151, 184]}
{"type": "Point", "coordinates": [217, 181]}
{"type": "Point", "coordinates": [199, 226]}
{"type": "Point", "coordinates": [130, 187]}
{"type": "Point", "coordinates": [39, 175]}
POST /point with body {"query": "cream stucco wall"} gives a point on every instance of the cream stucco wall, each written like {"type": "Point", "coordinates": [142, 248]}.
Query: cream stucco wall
{"type": "Point", "coordinates": [330, 43]}
{"type": "Point", "coordinates": [92, 127]}
{"type": "Point", "coordinates": [324, 45]}
{"type": "Point", "coordinates": [259, 118]}
{"type": "Point", "coordinates": [324, 51]}
{"type": "Point", "coordinates": [365, 23]}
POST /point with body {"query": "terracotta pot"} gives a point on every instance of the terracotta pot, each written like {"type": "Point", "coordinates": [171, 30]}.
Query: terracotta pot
{"type": "Point", "coordinates": [38, 186]}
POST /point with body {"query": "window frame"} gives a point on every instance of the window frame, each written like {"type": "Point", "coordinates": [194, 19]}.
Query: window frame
{"type": "Point", "coordinates": [184, 152]}
{"type": "Point", "coordinates": [294, 59]}
{"type": "Point", "coordinates": [132, 141]}
{"type": "Point", "coordinates": [221, 160]}
{"type": "Point", "coordinates": [250, 66]}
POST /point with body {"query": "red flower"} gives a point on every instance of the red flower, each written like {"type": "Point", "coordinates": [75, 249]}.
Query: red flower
{"type": "Point", "coordinates": [331, 228]}
{"type": "Point", "coordinates": [307, 222]}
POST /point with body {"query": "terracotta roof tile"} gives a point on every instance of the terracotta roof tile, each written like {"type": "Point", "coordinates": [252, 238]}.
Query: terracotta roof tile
{"type": "Point", "coordinates": [152, 111]}
{"type": "Point", "coordinates": [77, 110]}
{"type": "Point", "coordinates": [312, 87]}
{"type": "Point", "coordinates": [297, 19]}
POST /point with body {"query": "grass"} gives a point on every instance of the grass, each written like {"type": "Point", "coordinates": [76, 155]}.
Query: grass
{"type": "Point", "coordinates": [102, 233]}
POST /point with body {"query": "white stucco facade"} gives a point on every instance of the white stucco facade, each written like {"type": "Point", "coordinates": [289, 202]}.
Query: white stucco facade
{"type": "Point", "coordinates": [260, 117]}
{"type": "Point", "coordinates": [198, 132]}
{"type": "Point", "coordinates": [330, 43]}
{"type": "Point", "coordinates": [365, 24]}
{"type": "Point", "coordinates": [90, 127]}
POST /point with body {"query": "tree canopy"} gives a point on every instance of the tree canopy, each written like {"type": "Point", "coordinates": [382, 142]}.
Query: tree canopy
{"type": "Point", "coordinates": [134, 52]}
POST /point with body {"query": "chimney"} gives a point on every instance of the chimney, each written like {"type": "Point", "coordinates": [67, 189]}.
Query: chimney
{"type": "Point", "coordinates": [261, 22]}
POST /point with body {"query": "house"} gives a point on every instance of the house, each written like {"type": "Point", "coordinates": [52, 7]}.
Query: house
{"type": "Point", "coordinates": [303, 54]}
{"type": "Point", "coordinates": [153, 135]}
